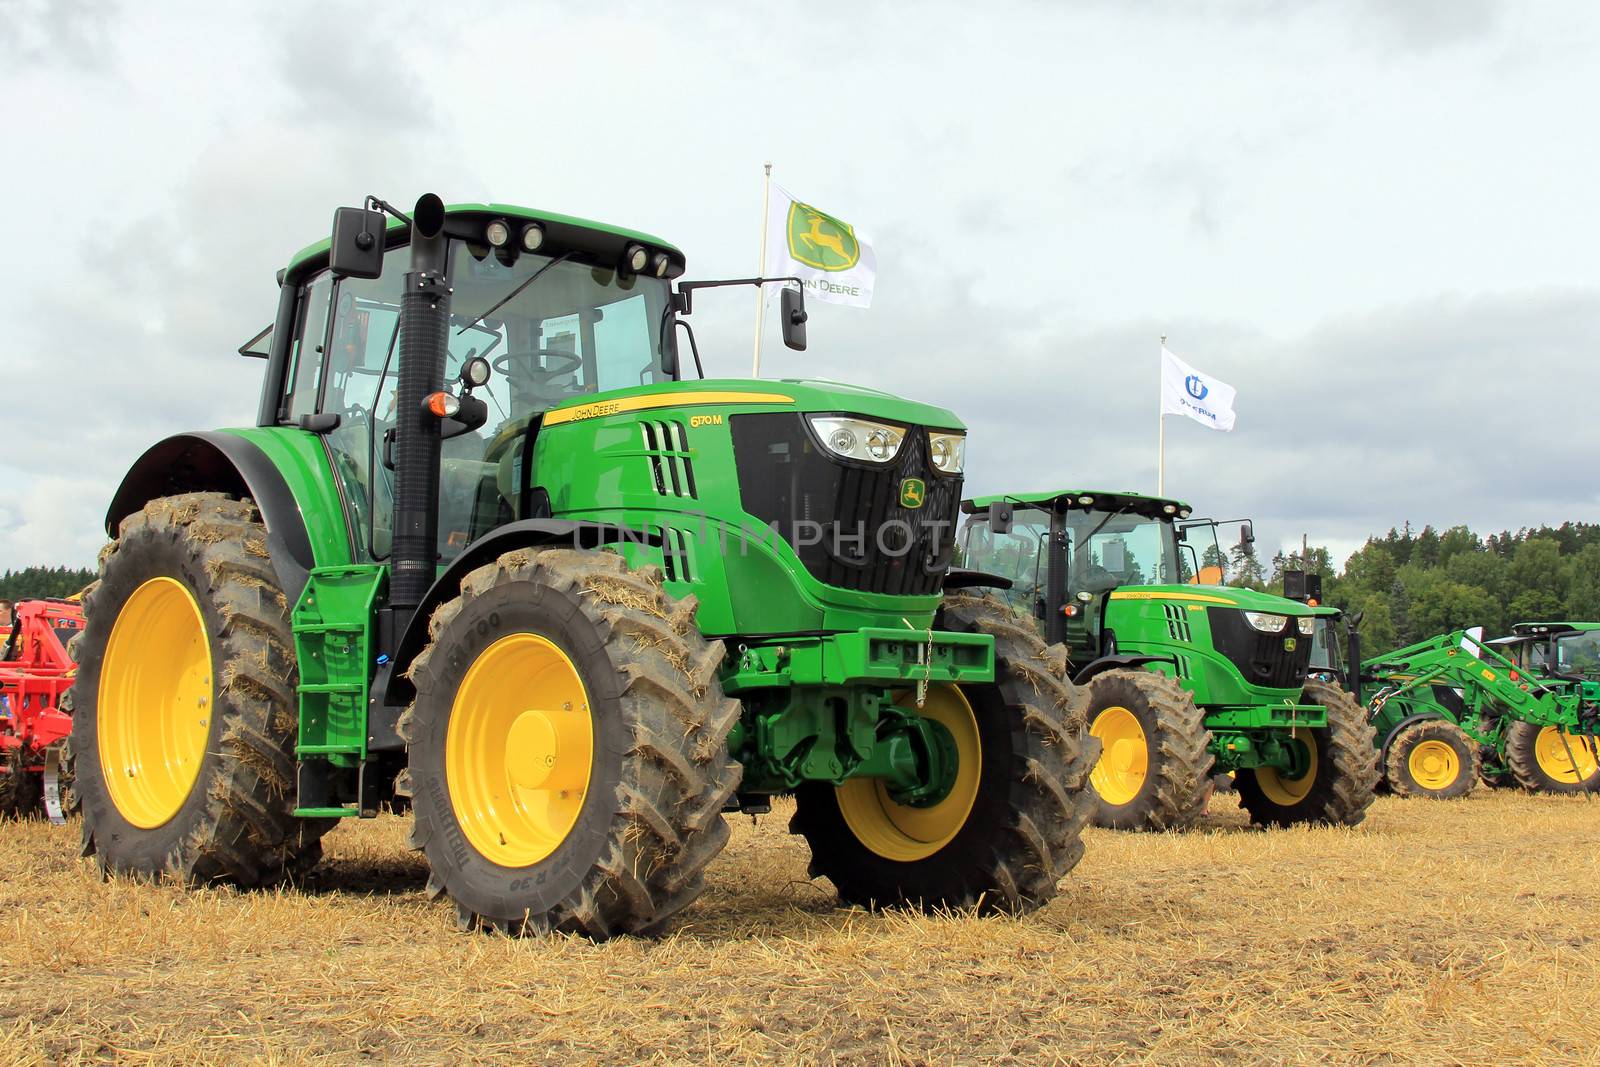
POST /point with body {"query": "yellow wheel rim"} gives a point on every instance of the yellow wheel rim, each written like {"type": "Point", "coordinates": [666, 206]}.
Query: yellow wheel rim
{"type": "Point", "coordinates": [519, 750]}
{"type": "Point", "coordinates": [1280, 788]}
{"type": "Point", "coordinates": [1434, 765]}
{"type": "Point", "coordinates": [1124, 756]}
{"type": "Point", "coordinates": [906, 834]}
{"type": "Point", "coordinates": [1551, 755]}
{"type": "Point", "coordinates": [154, 709]}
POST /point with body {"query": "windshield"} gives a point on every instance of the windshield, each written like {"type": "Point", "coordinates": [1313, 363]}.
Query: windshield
{"type": "Point", "coordinates": [1579, 654]}
{"type": "Point", "coordinates": [1018, 555]}
{"type": "Point", "coordinates": [1108, 549]}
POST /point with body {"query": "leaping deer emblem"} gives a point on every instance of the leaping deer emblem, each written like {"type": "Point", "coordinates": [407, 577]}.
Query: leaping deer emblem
{"type": "Point", "coordinates": [819, 240]}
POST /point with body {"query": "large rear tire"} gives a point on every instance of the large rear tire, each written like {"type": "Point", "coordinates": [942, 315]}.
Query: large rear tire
{"type": "Point", "coordinates": [1538, 759]}
{"type": "Point", "coordinates": [1154, 771]}
{"type": "Point", "coordinates": [184, 707]}
{"type": "Point", "coordinates": [1337, 787]}
{"type": "Point", "coordinates": [568, 747]}
{"type": "Point", "coordinates": [1432, 758]}
{"type": "Point", "coordinates": [1003, 842]}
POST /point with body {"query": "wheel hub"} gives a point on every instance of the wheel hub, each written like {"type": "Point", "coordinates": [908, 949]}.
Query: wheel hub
{"type": "Point", "coordinates": [1434, 764]}
{"type": "Point", "coordinates": [1124, 756]}
{"type": "Point", "coordinates": [531, 749]}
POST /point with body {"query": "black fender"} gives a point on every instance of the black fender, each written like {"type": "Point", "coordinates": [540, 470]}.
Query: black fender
{"type": "Point", "coordinates": [526, 533]}
{"type": "Point", "coordinates": [1388, 739]}
{"type": "Point", "coordinates": [1115, 663]}
{"type": "Point", "coordinates": [210, 461]}
{"type": "Point", "coordinates": [961, 578]}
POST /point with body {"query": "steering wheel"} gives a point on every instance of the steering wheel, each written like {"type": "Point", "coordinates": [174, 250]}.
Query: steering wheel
{"type": "Point", "coordinates": [557, 363]}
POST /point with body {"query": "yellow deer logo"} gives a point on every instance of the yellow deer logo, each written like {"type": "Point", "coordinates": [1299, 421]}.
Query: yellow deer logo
{"type": "Point", "coordinates": [820, 240]}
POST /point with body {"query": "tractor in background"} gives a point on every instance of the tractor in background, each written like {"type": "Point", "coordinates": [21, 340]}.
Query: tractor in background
{"type": "Point", "coordinates": [1455, 708]}
{"type": "Point", "coordinates": [493, 551]}
{"type": "Point", "coordinates": [36, 675]}
{"type": "Point", "coordinates": [1187, 678]}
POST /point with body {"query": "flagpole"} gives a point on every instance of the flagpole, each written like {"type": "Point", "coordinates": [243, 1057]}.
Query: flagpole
{"type": "Point", "coordinates": [1161, 434]}
{"type": "Point", "coordinates": [761, 266]}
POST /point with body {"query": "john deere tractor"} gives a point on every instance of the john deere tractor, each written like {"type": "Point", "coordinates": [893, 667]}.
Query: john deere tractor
{"type": "Point", "coordinates": [1456, 707]}
{"type": "Point", "coordinates": [490, 553]}
{"type": "Point", "coordinates": [1186, 680]}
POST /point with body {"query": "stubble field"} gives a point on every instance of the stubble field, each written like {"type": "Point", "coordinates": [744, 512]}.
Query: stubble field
{"type": "Point", "coordinates": [1456, 932]}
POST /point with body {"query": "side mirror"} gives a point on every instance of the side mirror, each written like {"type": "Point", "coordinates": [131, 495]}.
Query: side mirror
{"type": "Point", "coordinates": [1247, 535]}
{"type": "Point", "coordinates": [357, 247]}
{"type": "Point", "coordinates": [1000, 516]}
{"type": "Point", "coordinates": [793, 305]}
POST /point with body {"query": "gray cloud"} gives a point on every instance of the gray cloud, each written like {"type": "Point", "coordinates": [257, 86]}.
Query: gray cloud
{"type": "Point", "coordinates": [1357, 214]}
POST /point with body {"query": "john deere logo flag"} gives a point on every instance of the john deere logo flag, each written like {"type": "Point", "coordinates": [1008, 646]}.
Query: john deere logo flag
{"type": "Point", "coordinates": [831, 257]}
{"type": "Point", "coordinates": [912, 492]}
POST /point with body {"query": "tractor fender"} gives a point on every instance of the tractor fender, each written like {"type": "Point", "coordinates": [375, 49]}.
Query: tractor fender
{"type": "Point", "coordinates": [526, 533]}
{"type": "Point", "coordinates": [1388, 739]}
{"type": "Point", "coordinates": [1114, 663]}
{"type": "Point", "coordinates": [208, 461]}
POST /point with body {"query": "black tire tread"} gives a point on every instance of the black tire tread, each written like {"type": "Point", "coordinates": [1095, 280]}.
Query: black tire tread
{"type": "Point", "coordinates": [1181, 756]}
{"type": "Point", "coordinates": [1349, 746]}
{"type": "Point", "coordinates": [666, 823]}
{"type": "Point", "coordinates": [248, 835]}
{"type": "Point", "coordinates": [1524, 767]}
{"type": "Point", "coordinates": [1396, 774]}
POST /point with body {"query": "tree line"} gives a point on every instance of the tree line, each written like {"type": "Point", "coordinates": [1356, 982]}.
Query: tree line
{"type": "Point", "coordinates": [1410, 586]}
{"type": "Point", "coordinates": [42, 582]}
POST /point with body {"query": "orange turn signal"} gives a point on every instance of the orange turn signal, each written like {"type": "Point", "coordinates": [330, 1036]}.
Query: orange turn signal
{"type": "Point", "coordinates": [443, 404]}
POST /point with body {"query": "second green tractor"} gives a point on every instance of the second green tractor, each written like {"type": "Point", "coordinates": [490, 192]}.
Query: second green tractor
{"type": "Point", "coordinates": [1188, 679]}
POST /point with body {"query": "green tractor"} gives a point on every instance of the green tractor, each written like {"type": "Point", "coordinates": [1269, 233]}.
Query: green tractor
{"type": "Point", "coordinates": [1186, 680]}
{"type": "Point", "coordinates": [491, 554]}
{"type": "Point", "coordinates": [1454, 708]}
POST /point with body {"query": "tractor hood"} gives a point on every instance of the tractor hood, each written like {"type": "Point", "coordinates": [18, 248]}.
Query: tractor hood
{"type": "Point", "coordinates": [792, 394]}
{"type": "Point", "coordinates": [1216, 596]}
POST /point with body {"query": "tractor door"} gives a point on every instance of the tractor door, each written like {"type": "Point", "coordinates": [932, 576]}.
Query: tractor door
{"type": "Point", "coordinates": [358, 385]}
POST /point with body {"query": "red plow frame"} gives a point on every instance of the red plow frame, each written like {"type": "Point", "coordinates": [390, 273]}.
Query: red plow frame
{"type": "Point", "coordinates": [35, 673]}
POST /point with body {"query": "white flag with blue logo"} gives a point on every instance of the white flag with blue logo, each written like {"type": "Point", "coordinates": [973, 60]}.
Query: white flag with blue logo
{"type": "Point", "coordinates": [1185, 391]}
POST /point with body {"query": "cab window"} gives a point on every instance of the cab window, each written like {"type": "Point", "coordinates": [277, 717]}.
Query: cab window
{"type": "Point", "coordinates": [305, 366]}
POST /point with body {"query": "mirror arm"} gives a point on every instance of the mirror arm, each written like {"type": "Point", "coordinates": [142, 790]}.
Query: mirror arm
{"type": "Point", "coordinates": [693, 347]}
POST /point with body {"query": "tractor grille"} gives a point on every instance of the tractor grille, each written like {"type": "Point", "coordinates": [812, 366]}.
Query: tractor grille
{"type": "Point", "coordinates": [1261, 658]}
{"type": "Point", "coordinates": [1177, 622]}
{"type": "Point", "coordinates": [844, 519]}
{"type": "Point", "coordinates": [669, 456]}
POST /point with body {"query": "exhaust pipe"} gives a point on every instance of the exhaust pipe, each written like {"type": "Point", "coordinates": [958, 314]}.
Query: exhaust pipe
{"type": "Point", "coordinates": [424, 338]}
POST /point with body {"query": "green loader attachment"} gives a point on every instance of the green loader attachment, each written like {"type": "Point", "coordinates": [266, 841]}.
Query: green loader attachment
{"type": "Point", "coordinates": [496, 552]}
{"type": "Point", "coordinates": [1454, 708]}
{"type": "Point", "coordinates": [1188, 679]}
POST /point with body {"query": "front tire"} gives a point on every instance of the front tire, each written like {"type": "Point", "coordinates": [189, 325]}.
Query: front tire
{"type": "Point", "coordinates": [1154, 771]}
{"type": "Point", "coordinates": [1432, 758]}
{"type": "Point", "coordinates": [568, 748]}
{"type": "Point", "coordinates": [1538, 760]}
{"type": "Point", "coordinates": [184, 712]}
{"type": "Point", "coordinates": [1014, 833]}
{"type": "Point", "coordinates": [1337, 787]}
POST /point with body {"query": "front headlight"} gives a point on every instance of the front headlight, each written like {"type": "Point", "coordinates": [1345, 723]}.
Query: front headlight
{"type": "Point", "coordinates": [1267, 624]}
{"type": "Point", "coordinates": [1308, 625]}
{"type": "Point", "coordinates": [872, 442]}
{"type": "Point", "coordinates": [948, 451]}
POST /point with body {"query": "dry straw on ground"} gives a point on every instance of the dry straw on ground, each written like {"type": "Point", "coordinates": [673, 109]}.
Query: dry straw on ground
{"type": "Point", "coordinates": [1436, 933]}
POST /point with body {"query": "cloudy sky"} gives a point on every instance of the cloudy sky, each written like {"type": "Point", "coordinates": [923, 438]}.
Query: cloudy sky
{"type": "Point", "coordinates": [1375, 219]}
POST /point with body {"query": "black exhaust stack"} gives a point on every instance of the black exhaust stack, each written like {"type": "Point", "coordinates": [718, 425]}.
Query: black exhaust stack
{"type": "Point", "coordinates": [424, 337]}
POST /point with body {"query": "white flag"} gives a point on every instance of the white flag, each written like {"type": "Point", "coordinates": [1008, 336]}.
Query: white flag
{"type": "Point", "coordinates": [1185, 391]}
{"type": "Point", "coordinates": [832, 258]}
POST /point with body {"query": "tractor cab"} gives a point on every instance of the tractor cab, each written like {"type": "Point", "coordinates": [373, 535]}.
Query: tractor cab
{"type": "Point", "coordinates": [1557, 649]}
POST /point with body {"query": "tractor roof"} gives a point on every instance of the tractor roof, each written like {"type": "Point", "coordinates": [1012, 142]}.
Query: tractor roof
{"type": "Point", "coordinates": [1541, 628]}
{"type": "Point", "coordinates": [311, 254]}
{"type": "Point", "coordinates": [1100, 498]}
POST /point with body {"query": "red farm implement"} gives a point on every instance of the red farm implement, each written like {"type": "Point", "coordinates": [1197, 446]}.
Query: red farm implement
{"type": "Point", "coordinates": [35, 673]}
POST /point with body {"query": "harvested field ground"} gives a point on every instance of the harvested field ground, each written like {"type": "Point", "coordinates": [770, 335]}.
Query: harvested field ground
{"type": "Point", "coordinates": [1456, 932]}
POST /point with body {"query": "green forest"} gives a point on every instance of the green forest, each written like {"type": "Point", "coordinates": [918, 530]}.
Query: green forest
{"type": "Point", "coordinates": [43, 582]}
{"type": "Point", "coordinates": [1410, 586]}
